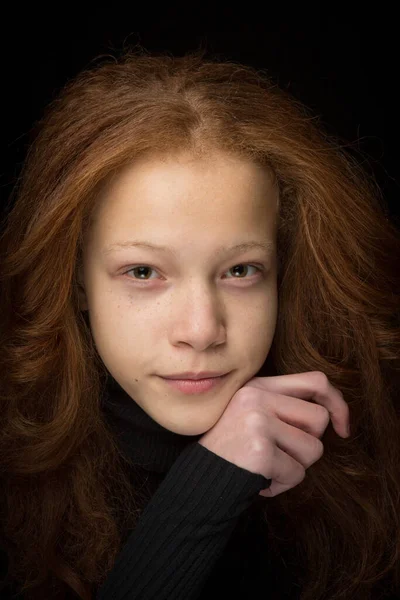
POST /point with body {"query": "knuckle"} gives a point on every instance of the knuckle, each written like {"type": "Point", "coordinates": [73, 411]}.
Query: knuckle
{"type": "Point", "coordinates": [250, 399]}
{"type": "Point", "coordinates": [318, 449]}
{"type": "Point", "coordinates": [251, 420]}
{"type": "Point", "coordinates": [258, 446]}
{"type": "Point", "coordinates": [322, 414]}
{"type": "Point", "coordinates": [321, 380]}
{"type": "Point", "coordinates": [301, 473]}
{"type": "Point", "coordinates": [245, 396]}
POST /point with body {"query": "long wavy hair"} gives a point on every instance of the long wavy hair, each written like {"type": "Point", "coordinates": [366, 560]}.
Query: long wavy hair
{"type": "Point", "coordinates": [66, 496]}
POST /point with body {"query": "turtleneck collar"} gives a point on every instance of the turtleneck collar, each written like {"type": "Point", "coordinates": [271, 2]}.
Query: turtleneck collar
{"type": "Point", "coordinates": [144, 441]}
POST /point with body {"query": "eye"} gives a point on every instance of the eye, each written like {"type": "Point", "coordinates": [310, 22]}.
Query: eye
{"type": "Point", "coordinates": [239, 267]}
{"type": "Point", "coordinates": [143, 270]}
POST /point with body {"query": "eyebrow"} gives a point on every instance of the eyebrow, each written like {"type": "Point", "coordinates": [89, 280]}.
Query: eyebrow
{"type": "Point", "coordinates": [219, 251]}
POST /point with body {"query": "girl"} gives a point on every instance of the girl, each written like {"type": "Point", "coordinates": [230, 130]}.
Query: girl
{"type": "Point", "coordinates": [184, 214]}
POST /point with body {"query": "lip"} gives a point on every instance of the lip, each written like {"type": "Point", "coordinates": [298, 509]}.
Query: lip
{"type": "Point", "coordinates": [195, 386]}
{"type": "Point", "coordinates": [195, 376]}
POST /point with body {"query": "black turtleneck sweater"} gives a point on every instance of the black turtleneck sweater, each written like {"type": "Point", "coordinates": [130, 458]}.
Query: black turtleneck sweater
{"type": "Point", "coordinates": [199, 535]}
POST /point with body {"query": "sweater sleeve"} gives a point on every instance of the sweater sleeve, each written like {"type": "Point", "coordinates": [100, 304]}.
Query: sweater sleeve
{"type": "Point", "coordinates": [183, 530]}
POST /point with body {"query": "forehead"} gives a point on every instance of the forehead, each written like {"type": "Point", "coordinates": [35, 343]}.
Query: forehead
{"type": "Point", "coordinates": [219, 193]}
{"type": "Point", "coordinates": [189, 180]}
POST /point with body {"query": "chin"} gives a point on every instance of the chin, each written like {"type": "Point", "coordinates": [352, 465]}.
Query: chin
{"type": "Point", "coordinates": [184, 430]}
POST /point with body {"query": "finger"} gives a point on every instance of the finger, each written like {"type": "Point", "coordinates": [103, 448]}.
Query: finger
{"type": "Point", "coordinates": [285, 473]}
{"type": "Point", "coordinates": [304, 448]}
{"type": "Point", "coordinates": [312, 386]}
{"type": "Point", "coordinates": [310, 417]}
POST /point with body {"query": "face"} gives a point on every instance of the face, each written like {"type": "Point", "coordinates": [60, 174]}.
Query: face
{"type": "Point", "coordinates": [197, 306]}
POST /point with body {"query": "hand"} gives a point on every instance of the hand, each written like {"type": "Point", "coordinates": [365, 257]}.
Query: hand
{"type": "Point", "coordinates": [272, 426]}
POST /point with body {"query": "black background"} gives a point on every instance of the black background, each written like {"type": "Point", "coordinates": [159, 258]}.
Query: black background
{"type": "Point", "coordinates": [343, 65]}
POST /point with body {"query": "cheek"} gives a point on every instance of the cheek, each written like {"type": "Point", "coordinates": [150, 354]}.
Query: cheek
{"type": "Point", "coordinates": [259, 328]}
{"type": "Point", "coordinates": [258, 337]}
{"type": "Point", "coordinates": [137, 332]}
{"type": "Point", "coordinates": [262, 316]}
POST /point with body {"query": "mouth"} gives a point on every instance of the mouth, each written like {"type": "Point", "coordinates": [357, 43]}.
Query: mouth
{"type": "Point", "coordinates": [195, 386]}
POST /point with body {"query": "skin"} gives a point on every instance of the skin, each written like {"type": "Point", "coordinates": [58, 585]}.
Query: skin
{"type": "Point", "coordinates": [193, 311]}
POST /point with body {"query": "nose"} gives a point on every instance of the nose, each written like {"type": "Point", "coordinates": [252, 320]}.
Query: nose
{"type": "Point", "coordinates": [199, 319]}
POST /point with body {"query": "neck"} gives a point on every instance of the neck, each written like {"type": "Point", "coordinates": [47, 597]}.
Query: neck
{"type": "Point", "coordinates": [144, 441]}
